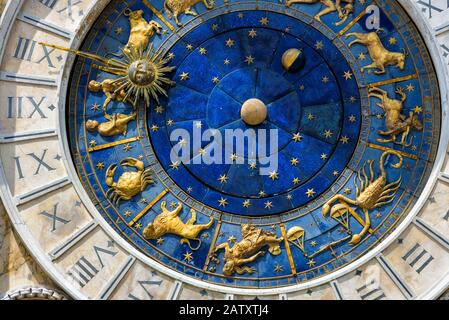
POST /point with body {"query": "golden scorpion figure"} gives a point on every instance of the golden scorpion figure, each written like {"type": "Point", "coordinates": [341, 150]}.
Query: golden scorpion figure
{"type": "Point", "coordinates": [372, 194]}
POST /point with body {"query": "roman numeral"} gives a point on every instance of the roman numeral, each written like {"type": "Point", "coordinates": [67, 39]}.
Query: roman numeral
{"type": "Point", "coordinates": [430, 7]}
{"type": "Point", "coordinates": [83, 271]}
{"type": "Point", "coordinates": [54, 217]}
{"type": "Point", "coordinates": [16, 106]}
{"type": "Point", "coordinates": [371, 291]}
{"type": "Point", "coordinates": [38, 159]}
{"type": "Point", "coordinates": [49, 3]}
{"type": "Point", "coordinates": [25, 50]}
{"type": "Point", "coordinates": [143, 285]}
{"type": "Point", "coordinates": [418, 258]}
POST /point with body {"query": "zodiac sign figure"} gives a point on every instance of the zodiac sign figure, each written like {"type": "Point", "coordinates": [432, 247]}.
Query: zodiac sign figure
{"type": "Point", "coordinates": [115, 124]}
{"type": "Point", "coordinates": [169, 222]}
{"type": "Point", "coordinates": [248, 250]}
{"type": "Point", "coordinates": [380, 56]}
{"type": "Point", "coordinates": [112, 91]}
{"type": "Point", "coordinates": [141, 31]}
{"type": "Point", "coordinates": [372, 194]}
{"type": "Point", "coordinates": [129, 184]}
{"type": "Point", "coordinates": [173, 8]}
{"type": "Point", "coordinates": [343, 13]}
{"type": "Point", "coordinates": [396, 122]}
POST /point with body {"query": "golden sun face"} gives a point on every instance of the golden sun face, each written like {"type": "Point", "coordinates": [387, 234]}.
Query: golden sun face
{"type": "Point", "coordinates": [142, 74]}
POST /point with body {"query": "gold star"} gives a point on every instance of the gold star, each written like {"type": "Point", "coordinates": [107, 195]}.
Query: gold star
{"type": "Point", "coordinates": [215, 80]}
{"type": "Point", "coordinates": [319, 45]}
{"type": "Point", "coordinates": [323, 156]}
{"type": "Point", "coordinates": [352, 118]}
{"type": "Point", "coordinates": [344, 140]}
{"type": "Point", "coordinates": [188, 256]}
{"type": "Point", "coordinates": [198, 124]}
{"type": "Point", "coordinates": [95, 107]}
{"type": "Point", "coordinates": [325, 79]}
{"type": "Point", "coordinates": [203, 51]}
{"type": "Point", "coordinates": [302, 87]}
{"type": "Point", "coordinates": [246, 203]}
{"type": "Point", "coordinates": [232, 239]}
{"type": "Point", "coordinates": [182, 142]}
{"type": "Point", "coordinates": [189, 47]}
{"type": "Point", "coordinates": [100, 165]}
{"type": "Point", "coordinates": [418, 110]}
{"type": "Point", "coordinates": [347, 191]}
{"type": "Point", "coordinates": [393, 40]}
{"type": "Point", "coordinates": [296, 181]}
{"type": "Point", "coordinates": [352, 99]}
{"type": "Point", "coordinates": [214, 27]}
{"type": "Point", "coordinates": [264, 21]}
{"type": "Point", "coordinates": [253, 165]}
{"type": "Point", "coordinates": [227, 62]}
{"type": "Point", "coordinates": [262, 194]}
{"type": "Point", "coordinates": [311, 263]}
{"type": "Point", "coordinates": [310, 193]}
{"type": "Point", "coordinates": [289, 197]}
{"type": "Point", "coordinates": [223, 179]}
{"type": "Point", "coordinates": [230, 43]}
{"type": "Point", "coordinates": [252, 33]}
{"type": "Point", "coordinates": [160, 241]}
{"type": "Point", "coordinates": [223, 202]}
{"type": "Point", "coordinates": [159, 109]}
{"type": "Point", "coordinates": [201, 151]}
{"type": "Point", "coordinates": [189, 189]}
{"type": "Point", "coordinates": [314, 243]}
{"type": "Point", "coordinates": [233, 157]}
{"type": "Point", "coordinates": [249, 60]}
{"type": "Point", "coordinates": [336, 173]}
{"type": "Point", "coordinates": [268, 205]}
{"type": "Point", "coordinates": [170, 122]}
{"type": "Point", "coordinates": [119, 30]}
{"type": "Point", "coordinates": [294, 162]}
{"type": "Point", "coordinates": [127, 213]}
{"type": "Point", "coordinates": [362, 56]}
{"type": "Point", "coordinates": [127, 147]}
{"type": "Point", "coordinates": [171, 56]}
{"type": "Point", "coordinates": [138, 226]}
{"type": "Point", "coordinates": [184, 76]}
{"type": "Point", "coordinates": [274, 175]}
{"type": "Point", "coordinates": [278, 268]}
{"type": "Point", "coordinates": [297, 137]}
{"type": "Point", "coordinates": [175, 165]}
{"type": "Point", "coordinates": [410, 88]}
{"type": "Point", "coordinates": [328, 134]}
{"type": "Point", "coordinates": [311, 117]}
{"type": "Point", "coordinates": [154, 128]}
{"type": "Point", "coordinates": [348, 75]}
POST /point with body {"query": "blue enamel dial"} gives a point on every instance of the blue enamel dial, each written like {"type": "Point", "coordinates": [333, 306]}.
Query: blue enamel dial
{"type": "Point", "coordinates": [349, 165]}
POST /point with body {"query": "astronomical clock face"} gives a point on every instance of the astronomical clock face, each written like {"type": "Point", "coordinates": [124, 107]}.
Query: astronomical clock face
{"type": "Point", "coordinates": [180, 149]}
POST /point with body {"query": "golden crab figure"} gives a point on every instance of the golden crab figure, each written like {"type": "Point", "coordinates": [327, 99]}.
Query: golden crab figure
{"type": "Point", "coordinates": [141, 74]}
{"type": "Point", "coordinates": [130, 183]}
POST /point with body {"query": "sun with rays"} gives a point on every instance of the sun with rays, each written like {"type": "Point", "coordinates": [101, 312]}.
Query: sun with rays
{"type": "Point", "coordinates": [141, 73]}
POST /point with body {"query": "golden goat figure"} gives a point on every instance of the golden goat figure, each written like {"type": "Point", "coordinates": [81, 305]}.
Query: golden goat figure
{"type": "Point", "coordinates": [173, 8]}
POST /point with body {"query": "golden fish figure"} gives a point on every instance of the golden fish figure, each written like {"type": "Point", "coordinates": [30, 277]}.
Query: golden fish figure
{"type": "Point", "coordinates": [380, 56]}
{"type": "Point", "coordinates": [173, 8]}
{"type": "Point", "coordinates": [331, 6]}
{"type": "Point", "coordinates": [372, 194]}
{"type": "Point", "coordinates": [130, 184]}
{"type": "Point", "coordinates": [248, 250]}
{"type": "Point", "coordinates": [169, 222]}
{"type": "Point", "coordinates": [396, 122]}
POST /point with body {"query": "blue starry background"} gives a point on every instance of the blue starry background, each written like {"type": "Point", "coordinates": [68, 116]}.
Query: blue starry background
{"type": "Point", "coordinates": [298, 102]}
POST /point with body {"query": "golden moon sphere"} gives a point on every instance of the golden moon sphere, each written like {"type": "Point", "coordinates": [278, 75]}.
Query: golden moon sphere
{"type": "Point", "coordinates": [253, 112]}
{"type": "Point", "coordinates": [293, 60]}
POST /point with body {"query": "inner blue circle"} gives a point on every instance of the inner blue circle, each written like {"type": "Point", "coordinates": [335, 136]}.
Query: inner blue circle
{"type": "Point", "coordinates": [216, 73]}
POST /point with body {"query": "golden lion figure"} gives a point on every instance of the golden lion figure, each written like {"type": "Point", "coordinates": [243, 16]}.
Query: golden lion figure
{"type": "Point", "coordinates": [371, 194]}
{"type": "Point", "coordinates": [396, 122]}
{"type": "Point", "coordinates": [173, 8]}
{"type": "Point", "coordinates": [380, 56]}
{"type": "Point", "coordinates": [169, 222]}
{"type": "Point", "coordinates": [331, 6]}
{"type": "Point", "coordinates": [248, 250]}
